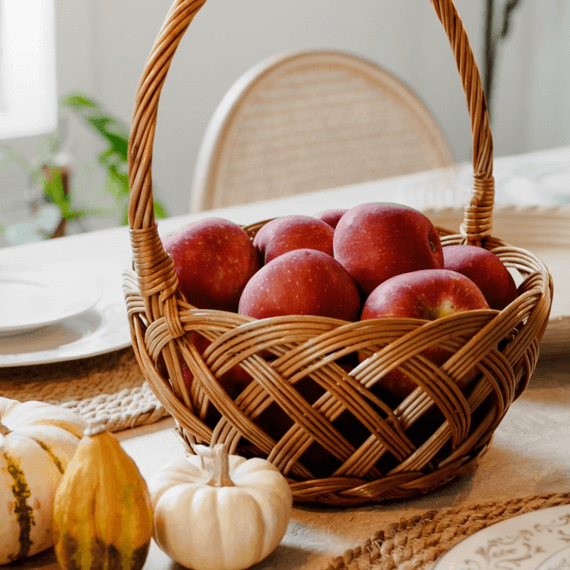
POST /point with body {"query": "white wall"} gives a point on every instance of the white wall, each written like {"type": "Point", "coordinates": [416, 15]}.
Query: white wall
{"type": "Point", "coordinates": [103, 44]}
{"type": "Point", "coordinates": [533, 80]}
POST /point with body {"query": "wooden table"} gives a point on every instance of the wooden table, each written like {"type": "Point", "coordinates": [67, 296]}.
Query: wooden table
{"type": "Point", "coordinates": [530, 454]}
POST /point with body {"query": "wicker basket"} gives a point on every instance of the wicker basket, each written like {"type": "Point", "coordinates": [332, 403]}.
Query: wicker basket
{"type": "Point", "coordinates": [350, 445]}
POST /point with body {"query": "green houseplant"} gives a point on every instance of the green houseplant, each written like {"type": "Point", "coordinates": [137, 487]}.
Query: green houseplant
{"type": "Point", "coordinates": [52, 177]}
{"type": "Point", "coordinates": [115, 158]}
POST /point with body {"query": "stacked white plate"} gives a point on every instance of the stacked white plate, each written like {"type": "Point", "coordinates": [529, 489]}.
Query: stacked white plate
{"type": "Point", "coordinates": [58, 312]}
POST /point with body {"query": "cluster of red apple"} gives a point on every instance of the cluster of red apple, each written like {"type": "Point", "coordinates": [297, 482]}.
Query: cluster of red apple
{"type": "Point", "coordinates": [374, 260]}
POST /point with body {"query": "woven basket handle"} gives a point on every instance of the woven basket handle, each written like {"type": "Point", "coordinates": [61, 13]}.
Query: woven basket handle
{"type": "Point", "coordinates": [477, 220]}
{"type": "Point", "coordinates": [147, 249]}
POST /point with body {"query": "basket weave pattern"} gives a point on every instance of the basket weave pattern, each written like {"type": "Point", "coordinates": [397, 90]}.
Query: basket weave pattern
{"type": "Point", "coordinates": [312, 409]}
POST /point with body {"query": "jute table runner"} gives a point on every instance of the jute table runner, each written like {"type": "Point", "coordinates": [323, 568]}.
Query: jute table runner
{"type": "Point", "coordinates": [416, 543]}
{"type": "Point", "coordinates": [107, 389]}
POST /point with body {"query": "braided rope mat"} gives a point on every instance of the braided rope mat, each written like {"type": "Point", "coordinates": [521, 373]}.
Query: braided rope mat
{"type": "Point", "coordinates": [416, 543]}
{"type": "Point", "coordinates": [109, 390]}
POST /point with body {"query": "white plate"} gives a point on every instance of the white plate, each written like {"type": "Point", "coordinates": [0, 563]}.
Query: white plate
{"type": "Point", "coordinates": [32, 299]}
{"type": "Point", "coordinates": [101, 329]}
{"type": "Point", "coordinates": [539, 540]}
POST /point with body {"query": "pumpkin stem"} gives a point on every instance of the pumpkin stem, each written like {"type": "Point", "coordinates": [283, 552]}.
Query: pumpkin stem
{"type": "Point", "coordinates": [217, 462]}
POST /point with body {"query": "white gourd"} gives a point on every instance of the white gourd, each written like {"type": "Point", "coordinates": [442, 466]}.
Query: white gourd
{"type": "Point", "coordinates": [37, 441]}
{"type": "Point", "coordinates": [215, 511]}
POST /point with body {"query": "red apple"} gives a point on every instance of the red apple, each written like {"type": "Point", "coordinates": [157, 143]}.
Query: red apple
{"type": "Point", "coordinates": [285, 234]}
{"type": "Point", "coordinates": [331, 217]}
{"type": "Point", "coordinates": [235, 381]}
{"type": "Point", "coordinates": [200, 342]}
{"type": "Point", "coordinates": [427, 294]}
{"type": "Point", "coordinates": [214, 259]}
{"type": "Point", "coordinates": [378, 240]}
{"type": "Point", "coordinates": [485, 269]}
{"type": "Point", "coordinates": [187, 375]}
{"type": "Point", "coordinates": [301, 282]}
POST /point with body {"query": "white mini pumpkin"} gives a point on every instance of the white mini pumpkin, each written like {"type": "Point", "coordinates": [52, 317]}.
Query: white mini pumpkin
{"type": "Point", "coordinates": [216, 511]}
{"type": "Point", "coordinates": [37, 441]}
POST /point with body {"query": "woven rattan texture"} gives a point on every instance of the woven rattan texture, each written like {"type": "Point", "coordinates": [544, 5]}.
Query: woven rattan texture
{"type": "Point", "coordinates": [313, 120]}
{"type": "Point", "coordinates": [416, 543]}
{"type": "Point", "coordinates": [311, 407]}
{"type": "Point", "coordinates": [107, 390]}
{"type": "Point", "coordinates": [366, 448]}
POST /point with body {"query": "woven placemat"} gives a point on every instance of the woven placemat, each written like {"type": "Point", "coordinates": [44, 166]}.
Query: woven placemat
{"type": "Point", "coordinates": [416, 543]}
{"type": "Point", "coordinates": [109, 389]}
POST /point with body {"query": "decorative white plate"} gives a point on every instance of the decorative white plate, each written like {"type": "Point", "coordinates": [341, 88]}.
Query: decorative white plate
{"type": "Point", "coordinates": [32, 299]}
{"type": "Point", "coordinates": [101, 329]}
{"type": "Point", "coordinates": [539, 540]}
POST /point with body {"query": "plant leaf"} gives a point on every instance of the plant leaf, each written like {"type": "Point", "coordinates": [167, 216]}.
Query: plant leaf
{"type": "Point", "coordinates": [160, 210]}
{"type": "Point", "coordinates": [116, 185]}
{"type": "Point", "coordinates": [53, 187]}
{"type": "Point", "coordinates": [115, 157]}
{"type": "Point", "coordinates": [111, 129]}
{"type": "Point", "coordinates": [78, 100]}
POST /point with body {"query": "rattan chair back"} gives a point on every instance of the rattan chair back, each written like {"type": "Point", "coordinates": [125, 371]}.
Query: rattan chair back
{"type": "Point", "coordinates": [309, 120]}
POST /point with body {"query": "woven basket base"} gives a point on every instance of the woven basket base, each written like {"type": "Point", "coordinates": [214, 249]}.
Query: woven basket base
{"type": "Point", "coordinates": [416, 543]}
{"type": "Point", "coordinates": [108, 390]}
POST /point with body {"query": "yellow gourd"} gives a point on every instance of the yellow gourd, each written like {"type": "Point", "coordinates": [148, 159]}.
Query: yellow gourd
{"type": "Point", "coordinates": [216, 511]}
{"type": "Point", "coordinates": [37, 442]}
{"type": "Point", "coordinates": [102, 514]}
